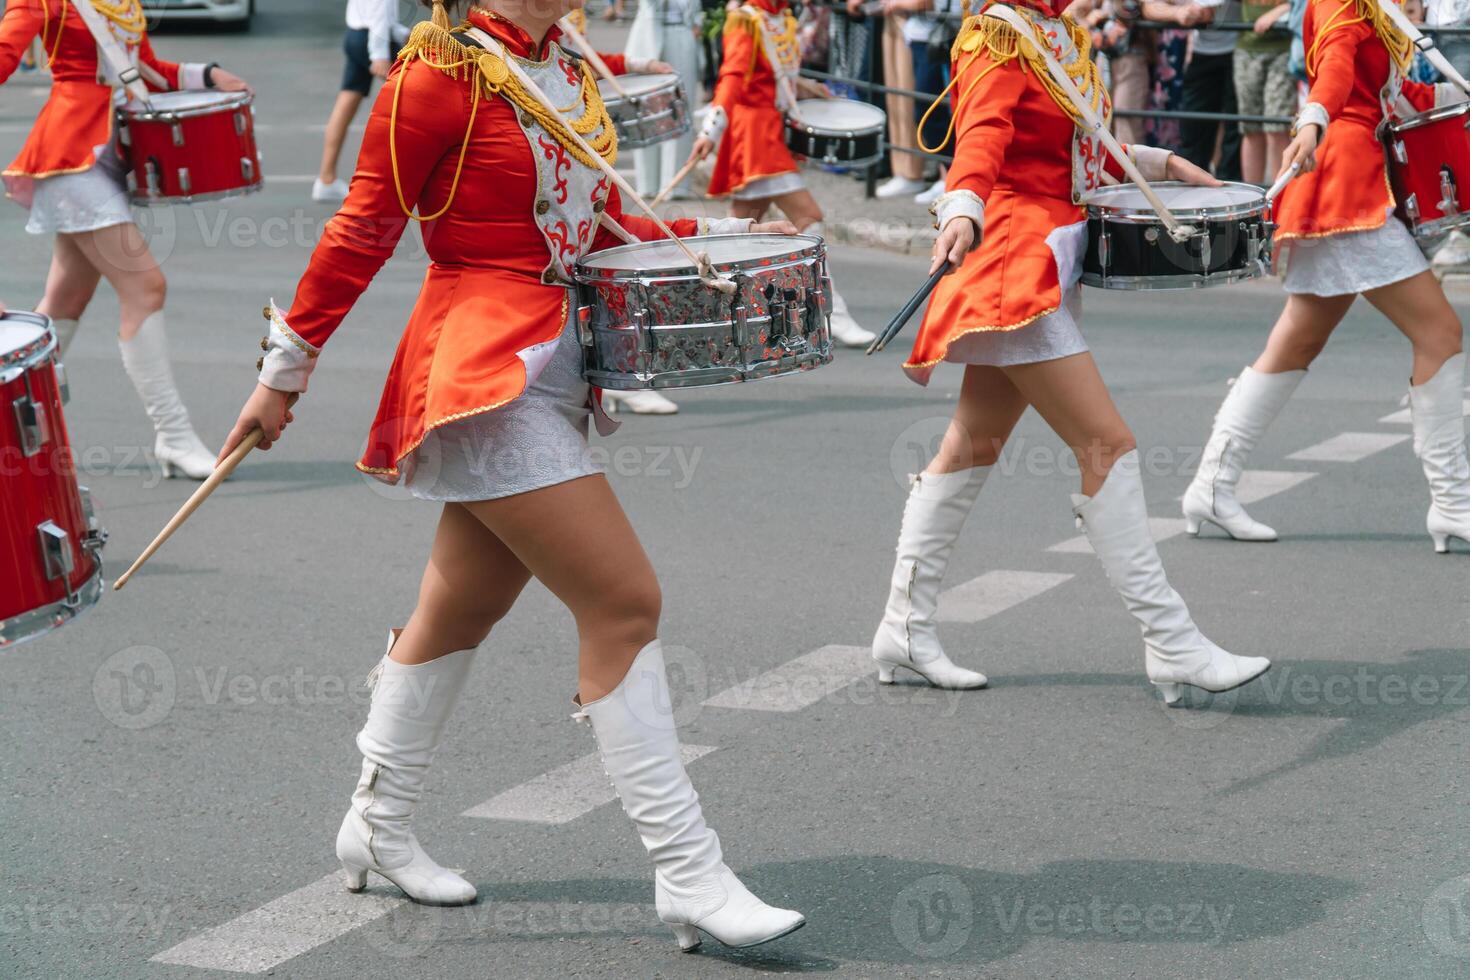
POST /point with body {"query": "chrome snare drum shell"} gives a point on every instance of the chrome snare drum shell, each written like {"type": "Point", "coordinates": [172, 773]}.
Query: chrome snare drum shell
{"type": "Point", "coordinates": [654, 110]}
{"type": "Point", "coordinates": [1129, 248]}
{"type": "Point", "coordinates": [646, 320]}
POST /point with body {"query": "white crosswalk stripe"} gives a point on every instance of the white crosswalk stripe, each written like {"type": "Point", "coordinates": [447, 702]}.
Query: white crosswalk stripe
{"type": "Point", "coordinates": [1163, 528]}
{"type": "Point", "coordinates": [1349, 447]}
{"type": "Point", "coordinates": [798, 683]}
{"type": "Point", "coordinates": [993, 593]}
{"type": "Point", "coordinates": [1404, 417]}
{"type": "Point", "coordinates": [1257, 485]}
{"type": "Point", "coordinates": [563, 794]}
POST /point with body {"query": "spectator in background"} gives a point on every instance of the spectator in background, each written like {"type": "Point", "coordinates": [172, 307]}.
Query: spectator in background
{"type": "Point", "coordinates": [371, 43]}
{"type": "Point", "coordinates": [1170, 56]}
{"type": "Point", "coordinates": [930, 35]}
{"type": "Point", "coordinates": [898, 72]}
{"type": "Point", "coordinates": [847, 53]}
{"type": "Point", "coordinates": [1264, 86]}
{"type": "Point", "coordinates": [663, 35]}
{"type": "Point", "coordinates": [1209, 86]}
{"type": "Point", "coordinates": [1129, 53]}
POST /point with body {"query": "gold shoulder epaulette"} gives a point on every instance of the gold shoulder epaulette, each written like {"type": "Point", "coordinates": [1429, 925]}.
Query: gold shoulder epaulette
{"type": "Point", "coordinates": [991, 34]}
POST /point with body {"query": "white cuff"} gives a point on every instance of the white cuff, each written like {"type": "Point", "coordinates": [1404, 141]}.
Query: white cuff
{"type": "Point", "coordinates": [1315, 114]}
{"type": "Point", "coordinates": [715, 122]}
{"type": "Point", "coordinates": [637, 66]}
{"type": "Point", "coordinates": [959, 204]}
{"type": "Point", "coordinates": [288, 360]}
{"type": "Point", "coordinates": [1152, 161]}
{"type": "Point", "coordinates": [191, 76]}
{"type": "Point", "coordinates": [1448, 93]}
{"type": "Point", "coordinates": [725, 226]}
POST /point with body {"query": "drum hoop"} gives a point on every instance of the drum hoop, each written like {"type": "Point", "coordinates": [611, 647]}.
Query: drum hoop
{"type": "Point", "coordinates": [39, 621]}
{"type": "Point", "coordinates": [1145, 215]}
{"type": "Point", "coordinates": [1439, 114]}
{"type": "Point", "coordinates": [670, 84]}
{"type": "Point", "coordinates": [813, 249]}
{"type": "Point", "coordinates": [1188, 280]}
{"type": "Point", "coordinates": [228, 102]}
{"type": "Point", "coordinates": [876, 126]}
{"type": "Point", "coordinates": [28, 356]}
{"type": "Point", "coordinates": [141, 197]}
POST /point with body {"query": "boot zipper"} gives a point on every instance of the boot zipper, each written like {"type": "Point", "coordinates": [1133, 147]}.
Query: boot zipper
{"type": "Point", "coordinates": [908, 616]}
{"type": "Point", "coordinates": [372, 783]}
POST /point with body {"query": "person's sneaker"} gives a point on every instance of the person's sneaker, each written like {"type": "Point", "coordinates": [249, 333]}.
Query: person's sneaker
{"type": "Point", "coordinates": [1454, 254]}
{"type": "Point", "coordinates": [335, 191]}
{"type": "Point", "coordinates": [898, 187]}
{"type": "Point", "coordinates": [931, 195]}
{"type": "Point", "coordinates": [637, 402]}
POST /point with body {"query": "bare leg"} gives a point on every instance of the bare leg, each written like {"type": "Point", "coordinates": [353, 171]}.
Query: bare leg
{"type": "Point", "coordinates": [800, 208]}
{"type": "Point", "coordinates": [1419, 309]}
{"type": "Point", "coordinates": [753, 209]}
{"type": "Point", "coordinates": [1070, 395]}
{"type": "Point", "coordinates": [1301, 332]}
{"type": "Point", "coordinates": [343, 112]}
{"type": "Point", "coordinates": [71, 282]}
{"type": "Point", "coordinates": [576, 540]}
{"type": "Point", "coordinates": [1253, 157]}
{"type": "Point", "coordinates": [471, 582]}
{"type": "Point", "coordinates": [989, 408]}
{"type": "Point", "coordinates": [121, 255]}
{"type": "Point", "coordinates": [1276, 144]}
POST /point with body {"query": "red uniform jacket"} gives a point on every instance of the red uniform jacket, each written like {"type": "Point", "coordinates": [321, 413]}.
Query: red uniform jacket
{"type": "Point", "coordinates": [754, 145]}
{"type": "Point", "coordinates": [497, 290]}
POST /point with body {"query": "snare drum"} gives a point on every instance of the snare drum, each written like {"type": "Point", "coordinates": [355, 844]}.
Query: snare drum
{"type": "Point", "coordinates": [647, 321]}
{"type": "Point", "coordinates": [190, 146]}
{"type": "Point", "coordinates": [654, 110]}
{"type": "Point", "coordinates": [1128, 247]}
{"type": "Point", "coordinates": [1429, 169]}
{"type": "Point", "coordinates": [49, 567]}
{"type": "Point", "coordinates": [837, 131]}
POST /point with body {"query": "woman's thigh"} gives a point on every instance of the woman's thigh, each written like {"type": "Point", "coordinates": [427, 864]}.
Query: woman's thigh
{"type": "Point", "coordinates": [1069, 393]}
{"type": "Point", "coordinates": [71, 281]}
{"type": "Point", "coordinates": [800, 208]}
{"type": "Point", "coordinates": [989, 408]}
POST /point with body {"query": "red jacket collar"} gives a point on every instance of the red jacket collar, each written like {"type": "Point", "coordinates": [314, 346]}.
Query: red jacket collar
{"type": "Point", "coordinates": [512, 35]}
{"type": "Point", "coordinates": [770, 6]}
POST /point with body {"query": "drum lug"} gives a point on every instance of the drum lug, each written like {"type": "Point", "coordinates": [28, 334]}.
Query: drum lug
{"type": "Point", "coordinates": [739, 327]}
{"type": "Point", "coordinates": [1411, 207]}
{"type": "Point", "coordinates": [247, 170]}
{"type": "Point", "coordinates": [95, 538]}
{"type": "Point", "coordinates": [1450, 203]}
{"type": "Point", "coordinates": [63, 387]}
{"type": "Point", "coordinates": [56, 553]}
{"type": "Point", "coordinates": [178, 134]}
{"type": "Point", "coordinates": [795, 327]}
{"type": "Point", "coordinates": [1105, 249]}
{"type": "Point", "coordinates": [151, 177]}
{"type": "Point", "coordinates": [242, 123]}
{"type": "Point", "coordinates": [186, 184]}
{"type": "Point", "coordinates": [30, 420]}
{"type": "Point", "coordinates": [584, 325]}
{"type": "Point", "coordinates": [1206, 251]}
{"type": "Point", "coordinates": [1400, 151]}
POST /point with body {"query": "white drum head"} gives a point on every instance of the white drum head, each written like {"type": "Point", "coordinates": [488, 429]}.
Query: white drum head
{"type": "Point", "coordinates": [187, 101]}
{"type": "Point", "coordinates": [1178, 197]}
{"type": "Point", "coordinates": [635, 85]}
{"type": "Point", "coordinates": [18, 335]}
{"type": "Point", "coordinates": [839, 115]}
{"type": "Point", "coordinates": [722, 249]}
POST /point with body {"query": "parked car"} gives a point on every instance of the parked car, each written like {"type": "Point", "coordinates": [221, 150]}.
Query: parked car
{"type": "Point", "coordinates": [236, 12]}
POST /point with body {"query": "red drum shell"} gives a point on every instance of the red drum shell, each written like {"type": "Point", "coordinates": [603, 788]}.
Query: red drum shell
{"type": "Point", "coordinates": [1429, 169]}
{"type": "Point", "coordinates": [40, 491]}
{"type": "Point", "coordinates": [190, 146]}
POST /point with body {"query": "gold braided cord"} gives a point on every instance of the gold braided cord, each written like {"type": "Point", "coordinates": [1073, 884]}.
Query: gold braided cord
{"type": "Point", "coordinates": [1400, 47]}
{"type": "Point", "coordinates": [46, 25]}
{"type": "Point", "coordinates": [127, 14]}
{"type": "Point", "coordinates": [489, 76]}
{"type": "Point", "coordinates": [1003, 44]}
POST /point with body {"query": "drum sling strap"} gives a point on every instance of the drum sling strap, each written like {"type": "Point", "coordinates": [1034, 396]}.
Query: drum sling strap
{"type": "Point", "coordinates": [1094, 124]}
{"type": "Point", "coordinates": [112, 52]}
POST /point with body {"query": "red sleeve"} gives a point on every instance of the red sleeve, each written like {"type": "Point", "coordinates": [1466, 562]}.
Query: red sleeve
{"type": "Point", "coordinates": [167, 70]}
{"type": "Point", "coordinates": [1419, 95]}
{"type": "Point", "coordinates": [19, 26]}
{"type": "Point", "coordinates": [432, 118]}
{"type": "Point", "coordinates": [1337, 50]}
{"type": "Point", "coordinates": [616, 63]}
{"type": "Point", "coordinates": [983, 122]}
{"type": "Point", "coordinates": [735, 69]}
{"type": "Point", "coordinates": [637, 225]}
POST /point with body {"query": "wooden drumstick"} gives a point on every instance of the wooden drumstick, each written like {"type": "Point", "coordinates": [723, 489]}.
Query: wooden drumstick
{"type": "Point", "coordinates": [220, 474]}
{"type": "Point", "coordinates": [1282, 181]}
{"type": "Point", "coordinates": [684, 171]}
{"type": "Point", "coordinates": [590, 53]}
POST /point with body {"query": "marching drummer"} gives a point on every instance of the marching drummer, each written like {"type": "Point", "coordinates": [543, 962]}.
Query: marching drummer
{"type": "Point", "coordinates": [759, 79]}
{"type": "Point", "coordinates": [1340, 237]}
{"type": "Point", "coordinates": [70, 176]}
{"type": "Point", "coordinates": [496, 433]}
{"type": "Point", "coordinates": [1013, 227]}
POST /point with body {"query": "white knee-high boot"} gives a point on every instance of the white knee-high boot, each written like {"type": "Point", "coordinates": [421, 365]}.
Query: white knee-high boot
{"type": "Point", "coordinates": [145, 358]}
{"type": "Point", "coordinates": [933, 517]}
{"type": "Point", "coordinates": [1438, 409]}
{"type": "Point", "coordinates": [694, 892]}
{"type": "Point", "coordinates": [1253, 402]}
{"type": "Point", "coordinates": [845, 330]}
{"type": "Point", "coordinates": [405, 723]}
{"type": "Point", "coordinates": [1175, 652]}
{"type": "Point", "coordinates": [66, 331]}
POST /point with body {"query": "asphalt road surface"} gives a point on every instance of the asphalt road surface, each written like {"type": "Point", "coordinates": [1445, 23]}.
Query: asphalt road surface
{"type": "Point", "coordinates": [175, 763]}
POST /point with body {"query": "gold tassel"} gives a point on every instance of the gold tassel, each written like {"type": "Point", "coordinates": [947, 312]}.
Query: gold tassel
{"type": "Point", "coordinates": [440, 17]}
